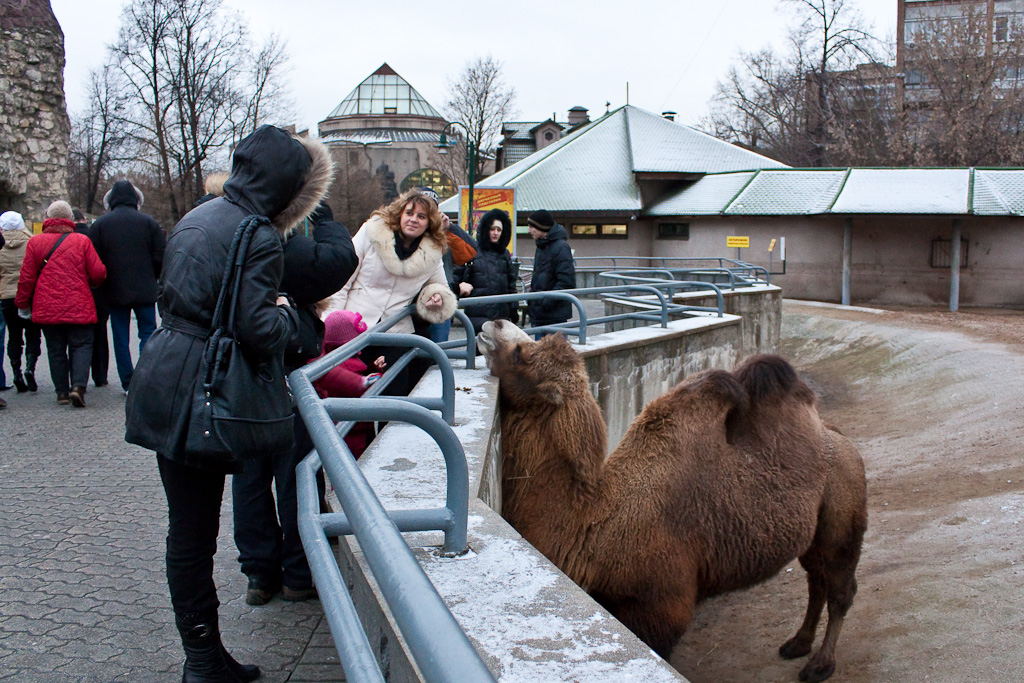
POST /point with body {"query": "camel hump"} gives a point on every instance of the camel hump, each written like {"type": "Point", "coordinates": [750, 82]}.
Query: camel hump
{"type": "Point", "coordinates": [769, 376]}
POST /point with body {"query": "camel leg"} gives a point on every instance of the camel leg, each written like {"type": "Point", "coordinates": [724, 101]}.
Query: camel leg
{"type": "Point", "coordinates": [817, 592]}
{"type": "Point", "coordinates": [659, 623]}
{"type": "Point", "coordinates": [840, 598]}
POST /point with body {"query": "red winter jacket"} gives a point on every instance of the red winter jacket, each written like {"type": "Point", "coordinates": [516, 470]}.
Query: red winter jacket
{"type": "Point", "coordinates": [61, 293]}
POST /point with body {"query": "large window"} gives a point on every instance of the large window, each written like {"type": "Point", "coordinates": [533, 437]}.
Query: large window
{"type": "Point", "coordinates": [428, 177]}
{"type": "Point", "coordinates": [674, 231]}
{"type": "Point", "coordinates": [595, 230]}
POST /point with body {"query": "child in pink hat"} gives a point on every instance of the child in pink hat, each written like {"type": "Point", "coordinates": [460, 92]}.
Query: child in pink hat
{"type": "Point", "coordinates": [350, 378]}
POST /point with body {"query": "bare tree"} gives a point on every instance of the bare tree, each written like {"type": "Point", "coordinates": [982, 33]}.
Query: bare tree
{"type": "Point", "coordinates": [480, 99]}
{"type": "Point", "coordinates": [99, 138]}
{"type": "Point", "coordinates": [264, 89]}
{"type": "Point", "coordinates": [811, 105]}
{"type": "Point", "coordinates": [964, 93]}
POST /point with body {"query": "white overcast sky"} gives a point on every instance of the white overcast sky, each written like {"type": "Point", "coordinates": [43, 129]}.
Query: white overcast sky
{"type": "Point", "coordinates": [555, 54]}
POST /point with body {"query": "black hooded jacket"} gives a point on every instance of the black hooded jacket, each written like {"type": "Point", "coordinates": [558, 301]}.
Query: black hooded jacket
{"type": "Point", "coordinates": [491, 271]}
{"type": "Point", "coordinates": [553, 268]}
{"type": "Point", "coordinates": [274, 175]}
{"type": "Point", "coordinates": [131, 245]}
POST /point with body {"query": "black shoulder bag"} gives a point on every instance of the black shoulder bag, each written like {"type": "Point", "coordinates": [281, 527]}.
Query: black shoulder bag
{"type": "Point", "coordinates": [241, 405]}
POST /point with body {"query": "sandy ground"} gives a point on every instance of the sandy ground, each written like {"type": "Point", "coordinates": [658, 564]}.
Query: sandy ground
{"type": "Point", "coordinates": [934, 401]}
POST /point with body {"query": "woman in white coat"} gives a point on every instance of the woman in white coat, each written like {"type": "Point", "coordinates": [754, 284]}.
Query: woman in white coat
{"type": "Point", "coordinates": [399, 249]}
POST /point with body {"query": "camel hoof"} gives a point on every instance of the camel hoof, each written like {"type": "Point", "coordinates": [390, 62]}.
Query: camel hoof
{"type": "Point", "coordinates": [795, 647]}
{"type": "Point", "coordinates": [812, 673]}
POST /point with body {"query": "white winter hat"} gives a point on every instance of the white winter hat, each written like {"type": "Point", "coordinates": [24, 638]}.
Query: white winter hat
{"type": "Point", "coordinates": [12, 220]}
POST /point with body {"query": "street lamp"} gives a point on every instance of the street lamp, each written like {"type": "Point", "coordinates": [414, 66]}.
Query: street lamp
{"type": "Point", "coordinates": [443, 145]}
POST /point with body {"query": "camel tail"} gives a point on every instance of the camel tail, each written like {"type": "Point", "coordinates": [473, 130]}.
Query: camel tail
{"type": "Point", "coordinates": [768, 376]}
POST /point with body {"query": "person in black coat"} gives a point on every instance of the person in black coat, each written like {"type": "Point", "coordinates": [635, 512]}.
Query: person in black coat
{"type": "Point", "coordinates": [131, 246]}
{"type": "Point", "coordinates": [282, 178]}
{"type": "Point", "coordinates": [553, 268]}
{"type": "Point", "coordinates": [318, 261]}
{"type": "Point", "coordinates": [491, 272]}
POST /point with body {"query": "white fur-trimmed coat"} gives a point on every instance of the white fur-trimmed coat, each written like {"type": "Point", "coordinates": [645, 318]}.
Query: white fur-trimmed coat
{"type": "Point", "coordinates": [383, 284]}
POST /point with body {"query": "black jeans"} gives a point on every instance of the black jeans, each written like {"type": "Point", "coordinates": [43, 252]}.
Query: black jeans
{"type": "Point", "coordinates": [267, 536]}
{"type": "Point", "coordinates": [193, 516]}
{"type": "Point", "coordinates": [22, 335]}
{"type": "Point", "coordinates": [100, 345]}
{"type": "Point", "coordinates": [69, 350]}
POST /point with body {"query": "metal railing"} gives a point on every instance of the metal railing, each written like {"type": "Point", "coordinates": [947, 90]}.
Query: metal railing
{"type": "Point", "coordinates": [439, 646]}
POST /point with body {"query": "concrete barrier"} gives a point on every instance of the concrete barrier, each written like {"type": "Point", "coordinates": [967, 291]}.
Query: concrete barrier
{"type": "Point", "coordinates": [526, 618]}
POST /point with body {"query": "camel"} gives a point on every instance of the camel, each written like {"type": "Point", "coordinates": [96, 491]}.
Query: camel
{"type": "Point", "coordinates": [716, 486]}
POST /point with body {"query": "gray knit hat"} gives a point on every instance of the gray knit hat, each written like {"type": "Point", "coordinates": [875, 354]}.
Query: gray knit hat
{"type": "Point", "coordinates": [60, 209]}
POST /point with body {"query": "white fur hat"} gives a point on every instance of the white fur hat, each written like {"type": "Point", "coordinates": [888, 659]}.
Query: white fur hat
{"type": "Point", "coordinates": [12, 220]}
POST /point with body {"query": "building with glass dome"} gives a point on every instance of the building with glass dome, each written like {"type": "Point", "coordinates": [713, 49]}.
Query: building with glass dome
{"type": "Point", "coordinates": [386, 129]}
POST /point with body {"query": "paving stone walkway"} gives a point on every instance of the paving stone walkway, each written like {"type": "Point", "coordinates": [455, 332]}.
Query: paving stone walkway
{"type": "Point", "coordinates": [83, 521]}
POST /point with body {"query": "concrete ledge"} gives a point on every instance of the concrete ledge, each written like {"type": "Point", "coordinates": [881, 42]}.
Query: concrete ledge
{"type": "Point", "coordinates": [526, 618]}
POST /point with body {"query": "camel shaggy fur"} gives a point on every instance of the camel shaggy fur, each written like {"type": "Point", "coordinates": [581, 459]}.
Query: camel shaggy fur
{"type": "Point", "coordinates": [716, 486]}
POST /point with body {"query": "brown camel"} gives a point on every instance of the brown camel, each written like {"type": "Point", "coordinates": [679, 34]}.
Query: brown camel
{"type": "Point", "coordinates": [716, 486]}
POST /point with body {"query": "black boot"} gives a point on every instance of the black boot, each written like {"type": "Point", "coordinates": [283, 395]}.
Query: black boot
{"type": "Point", "coordinates": [19, 382]}
{"type": "Point", "coordinates": [30, 372]}
{"type": "Point", "coordinates": [206, 661]}
{"type": "Point", "coordinates": [244, 672]}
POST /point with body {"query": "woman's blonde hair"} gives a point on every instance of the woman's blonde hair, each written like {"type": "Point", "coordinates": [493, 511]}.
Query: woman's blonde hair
{"type": "Point", "coordinates": [392, 214]}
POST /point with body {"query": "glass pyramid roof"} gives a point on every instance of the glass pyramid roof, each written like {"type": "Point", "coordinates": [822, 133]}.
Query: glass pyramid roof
{"type": "Point", "coordinates": [384, 92]}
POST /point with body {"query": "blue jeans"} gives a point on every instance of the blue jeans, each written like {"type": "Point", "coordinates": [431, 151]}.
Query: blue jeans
{"type": "Point", "coordinates": [3, 335]}
{"type": "Point", "coordinates": [438, 332]}
{"type": "Point", "coordinates": [120, 321]}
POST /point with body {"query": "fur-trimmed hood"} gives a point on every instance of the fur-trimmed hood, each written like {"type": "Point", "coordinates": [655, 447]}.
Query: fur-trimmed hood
{"type": "Point", "coordinates": [278, 175]}
{"type": "Point", "coordinates": [123, 193]}
{"type": "Point", "coordinates": [423, 260]}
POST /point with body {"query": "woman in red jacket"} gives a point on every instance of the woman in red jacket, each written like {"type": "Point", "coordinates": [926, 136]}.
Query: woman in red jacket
{"type": "Point", "coordinates": [59, 268]}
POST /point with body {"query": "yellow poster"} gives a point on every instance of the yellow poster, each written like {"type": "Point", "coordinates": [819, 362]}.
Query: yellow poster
{"type": "Point", "coordinates": [485, 199]}
{"type": "Point", "coordinates": [736, 241]}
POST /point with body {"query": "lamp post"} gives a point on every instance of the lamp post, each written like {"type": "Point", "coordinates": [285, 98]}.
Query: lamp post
{"type": "Point", "coordinates": [443, 145]}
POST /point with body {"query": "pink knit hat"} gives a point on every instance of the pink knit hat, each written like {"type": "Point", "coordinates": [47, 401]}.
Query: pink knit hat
{"type": "Point", "coordinates": [341, 327]}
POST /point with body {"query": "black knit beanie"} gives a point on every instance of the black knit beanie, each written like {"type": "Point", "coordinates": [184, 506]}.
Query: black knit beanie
{"type": "Point", "coordinates": [541, 220]}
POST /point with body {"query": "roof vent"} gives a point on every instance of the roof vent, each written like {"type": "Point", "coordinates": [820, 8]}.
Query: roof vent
{"type": "Point", "coordinates": [670, 115]}
{"type": "Point", "coordinates": [578, 115]}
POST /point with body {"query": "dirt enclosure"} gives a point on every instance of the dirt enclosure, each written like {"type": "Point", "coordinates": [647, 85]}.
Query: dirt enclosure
{"type": "Point", "coordinates": [935, 401]}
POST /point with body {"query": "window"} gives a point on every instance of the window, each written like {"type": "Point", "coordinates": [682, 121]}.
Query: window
{"type": "Point", "coordinates": [674, 231]}
{"type": "Point", "coordinates": [590, 230]}
{"type": "Point", "coordinates": [1001, 32]}
{"type": "Point", "coordinates": [428, 177]}
{"type": "Point", "coordinates": [549, 136]}
{"type": "Point", "coordinates": [942, 253]}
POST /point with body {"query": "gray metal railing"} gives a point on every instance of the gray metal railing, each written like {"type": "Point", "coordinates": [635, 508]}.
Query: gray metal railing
{"type": "Point", "coordinates": [437, 643]}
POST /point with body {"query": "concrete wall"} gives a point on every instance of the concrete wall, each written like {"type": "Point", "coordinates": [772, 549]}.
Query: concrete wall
{"type": "Point", "coordinates": [528, 621]}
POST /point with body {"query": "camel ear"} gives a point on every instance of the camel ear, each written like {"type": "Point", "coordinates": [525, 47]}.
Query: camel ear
{"type": "Point", "coordinates": [551, 393]}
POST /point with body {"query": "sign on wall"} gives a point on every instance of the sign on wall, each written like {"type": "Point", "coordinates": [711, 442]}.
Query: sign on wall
{"type": "Point", "coordinates": [738, 242]}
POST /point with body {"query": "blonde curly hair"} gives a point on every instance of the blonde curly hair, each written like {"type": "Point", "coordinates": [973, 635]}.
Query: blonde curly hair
{"type": "Point", "coordinates": [392, 214]}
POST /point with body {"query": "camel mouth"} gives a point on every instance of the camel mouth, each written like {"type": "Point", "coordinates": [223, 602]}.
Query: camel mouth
{"type": "Point", "coordinates": [495, 333]}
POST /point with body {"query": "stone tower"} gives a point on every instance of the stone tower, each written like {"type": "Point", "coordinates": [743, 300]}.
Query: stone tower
{"type": "Point", "coordinates": [34, 125]}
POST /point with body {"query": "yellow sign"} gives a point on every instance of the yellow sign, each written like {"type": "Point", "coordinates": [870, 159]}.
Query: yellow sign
{"type": "Point", "coordinates": [771, 246]}
{"type": "Point", "coordinates": [485, 199]}
{"type": "Point", "coordinates": [733, 241]}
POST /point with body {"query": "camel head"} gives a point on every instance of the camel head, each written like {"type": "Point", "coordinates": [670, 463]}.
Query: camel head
{"type": "Point", "coordinates": [532, 373]}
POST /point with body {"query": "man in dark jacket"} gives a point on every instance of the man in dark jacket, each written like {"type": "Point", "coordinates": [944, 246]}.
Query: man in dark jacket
{"type": "Point", "coordinates": [131, 246]}
{"type": "Point", "coordinates": [553, 268]}
{"type": "Point", "coordinates": [283, 178]}
{"type": "Point", "coordinates": [318, 261]}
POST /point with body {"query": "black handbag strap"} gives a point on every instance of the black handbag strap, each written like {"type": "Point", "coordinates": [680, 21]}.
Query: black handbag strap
{"type": "Point", "coordinates": [47, 258]}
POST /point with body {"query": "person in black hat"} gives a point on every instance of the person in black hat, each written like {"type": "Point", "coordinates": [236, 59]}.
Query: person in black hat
{"type": "Point", "coordinates": [553, 268]}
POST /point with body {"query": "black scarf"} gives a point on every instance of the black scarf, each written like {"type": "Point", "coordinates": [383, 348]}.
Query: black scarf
{"type": "Point", "coordinates": [401, 250]}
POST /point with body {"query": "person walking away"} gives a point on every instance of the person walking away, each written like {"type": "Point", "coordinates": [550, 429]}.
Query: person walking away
{"type": "Point", "coordinates": [24, 337]}
{"type": "Point", "coordinates": [491, 272]}
{"type": "Point", "coordinates": [553, 269]}
{"type": "Point", "coordinates": [100, 343]}
{"type": "Point", "coordinates": [349, 379]}
{"type": "Point", "coordinates": [400, 249]}
{"type": "Point", "coordinates": [283, 178]}
{"type": "Point", "coordinates": [59, 268]}
{"type": "Point", "coordinates": [131, 244]}
{"type": "Point", "coordinates": [318, 260]}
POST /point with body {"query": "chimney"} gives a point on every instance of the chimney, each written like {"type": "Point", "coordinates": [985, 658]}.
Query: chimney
{"type": "Point", "coordinates": [578, 115]}
{"type": "Point", "coordinates": [670, 115]}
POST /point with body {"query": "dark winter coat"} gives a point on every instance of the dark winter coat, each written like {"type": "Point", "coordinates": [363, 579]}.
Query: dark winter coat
{"type": "Point", "coordinates": [274, 175]}
{"type": "Point", "coordinates": [553, 268]}
{"type": "Point", "coordinates": [59, 293]}
{"type": "Point", "coordinates": [491, 272]}
{"type": "Point", "coordinates": [131, 245]}
{"type": "Point", "coordinates": [318, 261]}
